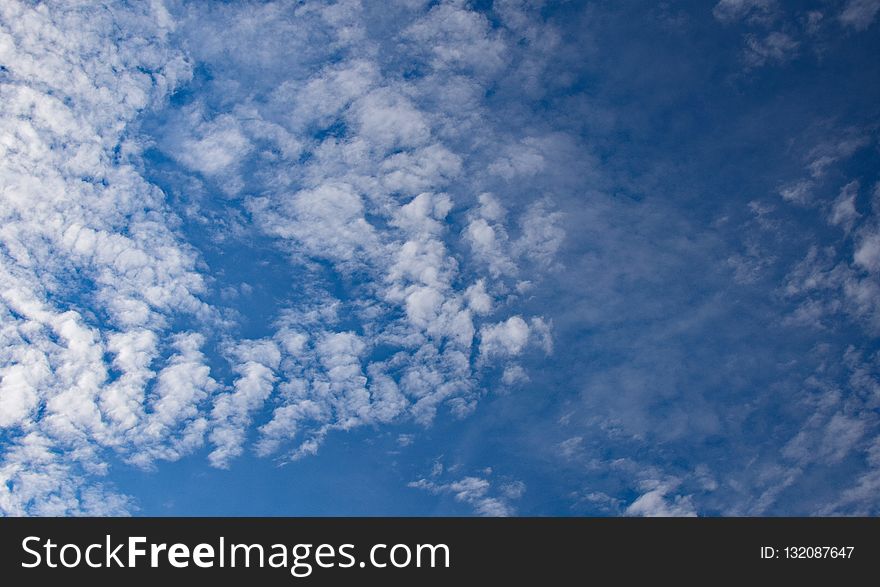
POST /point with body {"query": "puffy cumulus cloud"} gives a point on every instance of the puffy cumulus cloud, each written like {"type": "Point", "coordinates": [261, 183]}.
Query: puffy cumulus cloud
{"type": "Point", "coordinates": [541, 234]}
{"type": "Point", "coordinates": [506, 338]}
{"type": "Point", "coordinates": [540, 230]}
{"type": "Point", "coordinates": [388, 120]}
{"type": "Point", "coordinates": [214, 146]}
{"type": "Point", "coordinates": [375, 195]}
{"type": "Point", "coordinates": [487, 236]}
{"type": "Point", "coordinates": [174, 425]}
{"type": "Point", "coordinates": [523, 159]}
{"type": "Point", "coordinates": [256, 363]}
{"type": "Point", "coordinates": [514, 375]}
{"type": "Point", "coordinates": [479, 492]}
{"type": "Point", "coordinates": [317, 136]}
{"type": "Point", "coordinates": [37, 482]}
{"type": "Point", "coordinates": [326, 222]}
{"type": "Point", "coordinates": [92, 268]}
{"type": "Point", "coordinates": [459, 39]}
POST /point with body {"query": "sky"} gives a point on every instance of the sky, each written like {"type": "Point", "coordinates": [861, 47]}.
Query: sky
{"type": "Point", "coordinates": [496, 258]}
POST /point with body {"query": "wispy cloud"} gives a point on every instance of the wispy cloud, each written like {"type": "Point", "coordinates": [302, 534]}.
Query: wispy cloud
{"type": "Point", "coordinates": [859, 14]}
{"type": "Point", "coordinates": [487, 498]}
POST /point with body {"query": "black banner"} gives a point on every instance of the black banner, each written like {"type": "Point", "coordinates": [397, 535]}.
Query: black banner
{"type": "Point", "coordinates": [401, 551]}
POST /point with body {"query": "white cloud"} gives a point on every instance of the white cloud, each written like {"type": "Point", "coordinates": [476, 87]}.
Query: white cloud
{"type": "Point", "coordinates": [174, 425]}
{"type": "Point", "coordinates": [843, 209]}
{"type": "Point", "coordinates": [798, 193]}
{"type": "Point", "coordinates": [256, 363]}
{"type": "Point", "coordinates": [542, 234]}
{"type": "Point", "coordinates": [324, 97]}
{"type": "Point", "coordinates": [215, 146]}
{"type": "Point", "coordinates": [420, 169]}
{"type": "Point", "coordinates": [477, 492]}
{"type": "Point", "coordinates": [838, 148]}
{"type": "Point", "coordinates": [506, 338]}
{"type": "Point", "coordinates": [861, 498]}
{"type": "Point", "coordinates": [571, 448]}
{"type": "Point", "coordinates": [74, 207]}
{"type": "Point", "coordinates": [389, 120]}
{"type": "Point", "coordinates": [775, 47]}
{"type": "Point", "coordinates": [732, 10]}
{"type": "Point", "coordinates": [657, 502]}
{"type": "Point", "coordinates": [514, 375]}
{"type": "Point", "coordinates": [458, 38]}
{"type": "Point", "coordinates": [328, 221]}
{"type": "Point", "coordinates": [867, 254]}
{"type": "Point", "coordinates": [487, 236]}
{"type": "Point", "coordinates": [524, 159]}
{"type": "Point", "coordinates": [824, 285]}
{"type": "Point", "coordinates": [348, 167]}
{"type": "Point", "coordinates": [859, 14]}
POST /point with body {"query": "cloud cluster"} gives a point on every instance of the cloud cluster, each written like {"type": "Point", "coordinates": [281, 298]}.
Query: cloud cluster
{"type": "Point", "coordinates": [777, 34]}
{"type": "Point", "coordinates": [92, 268]}
{"type": "Point", "coordinates": [827, 281]}
{"type": "Point", "coordinates": [828, 286]}
{"type": "Point", "coordinates": [372, 194]}
{"type": "Point", "coordinates": [859, 14]}
{"type": "Point", "coordinates": [353, 168]}
{"type": "Point", "coordinates": [487, 498]}
{"type": "Point", "coordinates": [656, 502]}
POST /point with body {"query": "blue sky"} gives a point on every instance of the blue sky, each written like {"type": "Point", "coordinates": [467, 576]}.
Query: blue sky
{"type": "Point", "coordinates": [510, 257]}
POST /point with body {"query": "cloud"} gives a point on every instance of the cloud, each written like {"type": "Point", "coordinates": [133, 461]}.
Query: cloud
{"type": "Point", "coordinates": [524, 159]}
{"type": "Point", "coordinates": [478, 493]}
{"type": "Point", "coordinates": [834, 149]}
{"type": "Point", "coordinates": [571, 447]}
{"type": "Point", "coordinates": [859, 14]}
{"type": "Point", "coordinates": [507, 338]}
{"type": "Point", "coordinates": [728, 11]}
{"type": "Point", "coordinates": [775, 48]}
{"type": "Point", "coordinates": [454, 37]}
{"type": "Point", "coordinates": [656, 501]}
{"type": "Point", "coordinates": [420, 198]}
{"type": "Point", "coordinates": [215, 146]}
{"type": "Point", "coordinates": [860, 499]}
{"type": "Point", "coordinates": [843, 209]}
{"type": "Point", "coordinates": [365, 198]}
{"type": "Point", "coordinates": [93, 273]}
{"type": "Point", "coordinates": [514, 375]}
{"type": "Point", "coordinates": [388, 120]}
{"type": "Point", "coordinates": [256, 364]}
{"type": "Point", "coordinates": [798, 193]}
{"type": "Point", "coordinates": [825, 283]}
{"type": "Point", "coordinates": [327, 221]}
